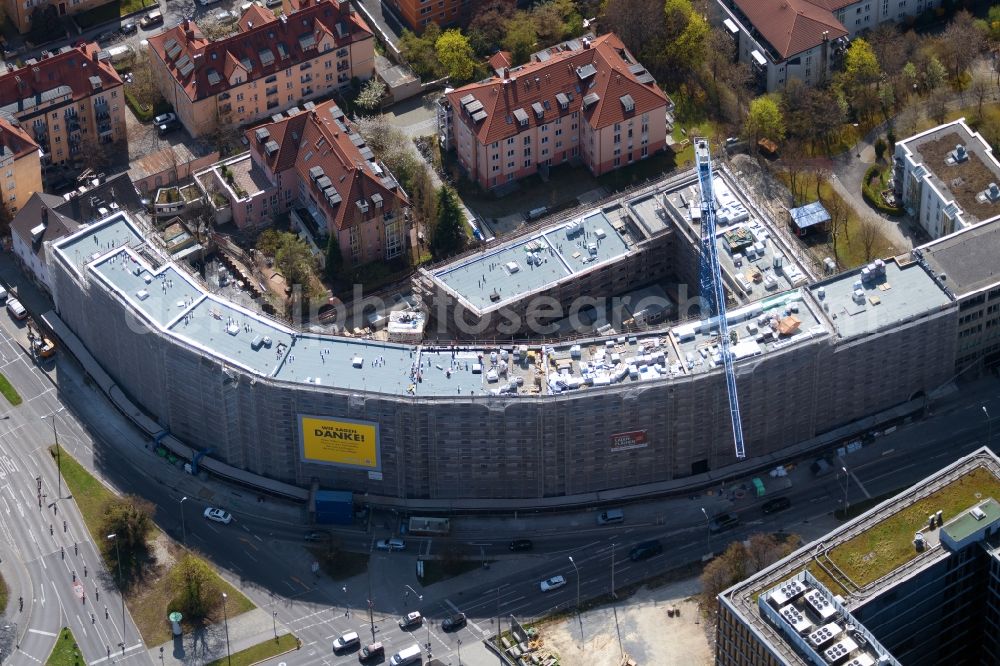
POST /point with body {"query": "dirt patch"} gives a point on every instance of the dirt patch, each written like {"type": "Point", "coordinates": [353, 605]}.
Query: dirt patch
{"type": "Point", "coordinates": [648, 634]}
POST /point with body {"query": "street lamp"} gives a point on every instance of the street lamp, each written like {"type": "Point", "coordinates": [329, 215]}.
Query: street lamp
{"type": "Point", "coordinates": [274, 623]}
{"type": "Point", "coordinates": [989, 428]}
{"type": "Point", "coordinates": [459, 652]}
{"type": "Point", "coordinates": [708, 526]}
{"type": "Point", "coordinates": [225, 616]}
{"type": "Point", "coordinates": [847, 483]}
{"type": "Point", "coordinates": [857, 141]}
{"type": "Point", "coordinates": [183, 526]}
{"type": "Point", "coordinates": [578, 616]}
{"type": "Point", "coordinates": [55, 436]}
{"type": "Point", "coordinates": [121, 584]}
{"type": "Point", "coordinates": [613, 571]}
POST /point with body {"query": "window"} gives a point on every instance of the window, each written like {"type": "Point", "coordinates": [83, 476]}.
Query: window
{"type": "Point", "coordinates": [510, 165]}
{"type": "Point", "coordinates": [527, 140]}
{"type": "Point", "coordinates": [545, 139]}
{"type": "Point", "coordinates": [527, 164]}
{"type": "Point", "coordinates": [618, 138]}
{"type": "Point", "coordinates": [510, 153]}
{"type": "Point", "coordinates": [527, 152]}
{"type": "Point", "coordinates": [510, 141]}
{"type": "Point", "coordinates": [239, 97]}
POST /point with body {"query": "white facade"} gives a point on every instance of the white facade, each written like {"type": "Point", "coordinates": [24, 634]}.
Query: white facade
{"type": "Point", "coordinates": [923, 187]}
{"type": "Point", "coordinates": [866, 14]}
{"type": "Point", "coordinates": [31, 262]}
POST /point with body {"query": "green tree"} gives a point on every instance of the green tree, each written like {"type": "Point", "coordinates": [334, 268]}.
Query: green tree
{"type": "Point", "coordinates": [993, 24]}
{"type": "Point", "coordinates": [371, 94]}
{"type": "Point", "coordinates": [764, 120]}
{"type": "Point", "coordinates": [334, 260]}
{"type": "Point", "coordinates": [294, 261]}
{"type": "Point", "coordinates": [196, 588]}
{"type": "Point", "coordinates": [489, 25]}
{"type": "Point", "coordinates": [455, 55]}
{"type": "Point", "coordinates": [687, 36]}
{"type": "Point", "coordinates": [861, 67]}
{"type": "Point", "coordinates": [521, 37]}
{"type": "Point", "coordinates": [130, 519]}
{"type": "Point", "coordinates": [448, 235]}
{"type": "Point", "coordinates": [934, 74]}
{"type": "Point", "coordinates": [419, 52]}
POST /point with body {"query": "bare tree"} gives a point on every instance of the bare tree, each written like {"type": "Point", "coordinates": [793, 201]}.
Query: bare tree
{"type": "Point", "coordinates": [960, 44]}
{"type": "Point", "coordinates": [839, 212]}
{"type": "Point", "coordinates": [937, 106]}
{"type": "Point", "coordinates": [871, 235]}
{"type": "Point", "coordinates": [143, 87]}
{"type": "Point", "coordinates": [980, 89]}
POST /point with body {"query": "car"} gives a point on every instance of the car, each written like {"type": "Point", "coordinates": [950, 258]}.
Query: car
{"type": "Point", "coordinates": [218, 515]}
{"type": "Point", "coordinates": [272, 3]}
{"type": "Point", "coordinates": [347, 641]}
{"type": "Point", "coordinates": [16, 310]}
{"type": "Point", "coordinates": [723, 521]}
{"type": "Point", "coordinates": [154, 17]}
{"type": "Point", "coordinates": [164, 118]}
{"type": "Point", "coordinates": [371, 652]}
{"type": "Point", "coordinates": [776, 504]}
{"type": "Point", "coordinates": [645, 550]}
{"type": "Point", "coordinates": [106, 36]}
{"type": "Point", "coordinates": [519, 545]}
{"type": "Point", "coordinates": [453, 622]}
{"type": "Point", "coordinates": [168, 127]}
{"type": "Point", "coordinates": [315, 536]}
{"type": "Point", "coordinates": [129, 27]}
{"type": "Point", "coordinates": [3, 294]}
{"type": "Point", "coordinates": [390, 544]}
{"type": "Point", "coordinates": [206, 3]}
{"type": "Point", "coordinates": [414, 619]}
{"type": "Point", "coordinates": [553, 583]}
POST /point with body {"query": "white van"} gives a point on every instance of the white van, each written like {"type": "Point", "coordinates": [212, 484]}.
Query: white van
{"type": "Point", "coordinates": [119, 53]}
{"type": "Point", "coordinates": [406, 656]}
{"type": "Point", "coordinates": [15, 308]}
{"type": "Point", "coordinates": [610, 516]}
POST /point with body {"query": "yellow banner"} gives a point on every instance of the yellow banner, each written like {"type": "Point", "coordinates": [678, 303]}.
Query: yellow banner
{"type": "Point", "coordinates": [352, 443]}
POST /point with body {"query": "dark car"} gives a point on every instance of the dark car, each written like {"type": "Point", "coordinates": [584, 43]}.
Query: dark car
{"type": "Point", "coordinates": [518, 545]}
{"type": "Point", "coordinates": [371, 652]}
{"type": "Point", "coordinates": [645, 550]}
{"type": "Point", "coordinates": [776, 504]}
{"type": "Point", "coordinates": [456, 621]}
{"type": "Point", "coordinates": [315, 536]}
{"type": "Point", "coordinates": [129, 27]}
{"type": "Point", "coordinates": [723, 521]}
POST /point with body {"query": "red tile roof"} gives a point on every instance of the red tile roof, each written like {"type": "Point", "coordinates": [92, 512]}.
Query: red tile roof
{"type": "Point", "coordinates": [256, 15]}
{"type": "Point", "coordinates": [23, 89]}
{"type": "Point", "coordinates": [225, 56]}
{"type": "Point", "coordinates": [616, 75]}
{"type": "Point", "coordinates": [793, 26]}
{"type": "Point", "coordinates": [314, 138]}
{"type": "Point", "coordinates": [15, 140]}
{"type": "Point", "coordinates": [501, 59]}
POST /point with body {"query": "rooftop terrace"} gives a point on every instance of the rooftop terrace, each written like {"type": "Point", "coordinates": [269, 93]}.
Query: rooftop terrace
{"type": "Point", "coordinates": [877, 296]}
{"type": "Point", "coordinates": [534, 262]}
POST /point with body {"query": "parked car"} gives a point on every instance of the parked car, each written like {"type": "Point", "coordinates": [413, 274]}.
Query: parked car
{"type": "Point", "coordinates": [518, 545]}
{"type": "Point", "coordinates": [3, 294]}
{"type": "Point", "coordinates": [15, 308]}
{"type": "Point", "coordinates": [776, 504]}
{"type": "Point", "coordinates": [272, 3]}
{"type": "Point", "coordinates": [347, 641]}
{"type": "Point", "coordinates": [553, 583]}
{"type": "Point", "coordinates": [723, 521]}
{"type": "Point", "coordinates": [206, 3]}
{"type": "Point", "coordinates": [154, 17]}
{"type": "Point", "coordinates": [645, 550]}
{"type": "Point", "coordinates": [371, 652]}
{"type": "Point", "coordinates": [106, 36]}
{"type": "Point", "coordinates": [164, 118]}
{"type": "Point", "coordinates": [218, 515]}
{"type": "Point", "coordinates": [453, 622]}
{"type": "Point", "coordinates": [315, 536]}
{"type": "Point", "coordinates": [390, 544]}
{"type": "Point", "coordinates": [167, 127]}
{"type": "Point", "coordinates": [129, 27]}
{"type": "Point", "coordinates": [414, 619]}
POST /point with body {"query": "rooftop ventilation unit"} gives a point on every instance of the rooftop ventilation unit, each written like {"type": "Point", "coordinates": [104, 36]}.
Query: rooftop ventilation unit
{"type": "Point", "coordinates": [978, 513]}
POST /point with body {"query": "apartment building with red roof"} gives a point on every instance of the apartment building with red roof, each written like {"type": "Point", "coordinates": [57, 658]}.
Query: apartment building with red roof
{"type": "Point", "coordinates": [584, 101]}
{"type": "Point", "coordinates": [315, 167]}
{"type": "Point", "coordinates": [20, 165]}
{"type": "Point", "coordinates": [270, 65]}
{"type": "Point", "coordinates": [66, 103]}
{"type": "Point", "coordinates": [783, 40]}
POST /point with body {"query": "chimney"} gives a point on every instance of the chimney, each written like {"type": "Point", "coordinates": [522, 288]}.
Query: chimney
{"type": "Point", "coordinates": [586, 43]}
{"type": "Point", "coordinates": [503, 73]}
{"type": "Point", "coordinates": [45, 216]}
{"type": "Point", "coordinates": [93, 56]}
{"type": "Point", "coordinates": [37, 73]}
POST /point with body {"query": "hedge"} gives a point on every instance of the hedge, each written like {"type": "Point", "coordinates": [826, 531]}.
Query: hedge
{"type": "Point", "coordinates": [141, 114]}
{"type": "Point", "coordinates": [873, 196]}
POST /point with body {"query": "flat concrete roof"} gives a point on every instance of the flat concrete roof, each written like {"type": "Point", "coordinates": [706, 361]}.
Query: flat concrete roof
{"type": "Point", "coordinates": [99, 239]}
{"type": "Point", "coordinates": [903, 293]}
{"type": "Point", "coordinates": [163, 295]}
{"type": "Point", "coordinates": [967, 524]}
{"type": "Point", "coordinates": [967, 258]}
{"type": "Point", "coordinates": [503, 273]}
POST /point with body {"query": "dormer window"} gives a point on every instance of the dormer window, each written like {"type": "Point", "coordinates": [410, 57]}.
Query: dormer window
{"type": "Point", "coordinates": [627, 103]}
{"type": "Point", "coordinates": [521, 116]}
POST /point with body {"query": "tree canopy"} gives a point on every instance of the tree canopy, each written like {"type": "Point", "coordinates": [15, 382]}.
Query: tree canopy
{"type": "Point", "coordinates": [455, 55]}
{"type": "Point", "coordinates": [448, 235]}
{"type": "Point", "coordinates": [764, 120]}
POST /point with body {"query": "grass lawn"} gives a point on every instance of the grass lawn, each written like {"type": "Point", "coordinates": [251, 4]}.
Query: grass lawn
{"type": "Point", "coordinates": [684, 158]}
{"type": "Point", "coordinates": [260, 652]}
{"type": "Point", "coordinates": [147, 601]}
{"type": "Point", "coordinates": [64, 653]}
{"type": "Point", "coordinates": [9, 392]}
{"type": "Point", "coordinates": [850, 248]}
{"type": "Point", "coordinates": [339, 564]}
{"type": "Point", "coordinates": [436, 571]}
{"type": "Point", "coordinates": [4, 594]}
{"type": "Point", "coordinates": [888, 544]}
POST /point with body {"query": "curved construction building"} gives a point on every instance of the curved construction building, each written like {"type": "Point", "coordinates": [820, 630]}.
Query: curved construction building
{"type": "Point", "coordinates": [512, 421]}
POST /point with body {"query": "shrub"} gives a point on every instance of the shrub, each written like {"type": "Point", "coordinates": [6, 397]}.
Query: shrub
{"type": "Point", "coordinates": [871, 191]}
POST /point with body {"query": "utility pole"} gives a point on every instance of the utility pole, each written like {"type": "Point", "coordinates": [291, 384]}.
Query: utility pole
{"type": "Point", "coordinates": [613, 595]}
{"type": "Point", "coordinates": [183, 526]}
{"type": "Point", "coordinates": [989, 428]}
{"type": "Point", "coordinates": [55, 436]}
{"type": "Point", "coordinates": [121, 585]}
{"type": "Point", "coordinates": [371, 605]}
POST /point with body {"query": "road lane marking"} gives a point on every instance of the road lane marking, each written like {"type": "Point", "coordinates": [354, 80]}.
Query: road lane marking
{"type": "Point", "coordinates": [42, 633]}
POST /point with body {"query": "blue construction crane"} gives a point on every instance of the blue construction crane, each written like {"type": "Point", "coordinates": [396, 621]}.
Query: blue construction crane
{"type": "Point", "coordinates": [712, 290]}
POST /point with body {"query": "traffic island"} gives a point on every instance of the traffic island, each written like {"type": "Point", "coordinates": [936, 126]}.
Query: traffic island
{"type": "Point", "coordinates": [65, 652]}
{"type": "Point", "coordinates": [260, 652]}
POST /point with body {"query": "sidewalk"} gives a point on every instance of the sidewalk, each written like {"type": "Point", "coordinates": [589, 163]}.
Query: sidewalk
{"type": "Point", "coordinates": [208, 644]}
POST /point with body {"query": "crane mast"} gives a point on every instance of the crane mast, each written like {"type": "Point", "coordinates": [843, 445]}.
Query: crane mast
{"type": "Point", "coordinates": [712, 290]}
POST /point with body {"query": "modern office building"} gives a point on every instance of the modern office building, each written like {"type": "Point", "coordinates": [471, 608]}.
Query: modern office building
{"type": "Point", "coordinates": [586, 101]}
{"type": "Point", "coordinates": [914, 581]}
{"type": "Point", "coordinates": [21, 164]}
{"type": "Point", "coordinates": [783, 40]}
{"type": "Point", "coordinates": [312, 165]}
{"type": "Point", "coordinates": [948, 178]}
{"type": "Point", "coordinates": [69, 103]}
{"type": "Point", "coordinates": [510, 420]}
{"type": "Point", "coordinates": [264, 68]}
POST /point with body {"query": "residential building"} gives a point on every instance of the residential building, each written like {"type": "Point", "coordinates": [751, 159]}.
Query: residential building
{"type": "Point", "coordinates": [21, 166]}
{"type": "Point", "coordinates": [584, 101]}
{"type": "Point", "coordinates": [928, 594]}
{"type": "Point", "coordinates": [21, 13]}
{"type": "Point", "coordinates": [315, 167]}
{"type": "Point", "coordinates": [70, 103]}
{"type": "Point", "coordinates": [947, 177]}
{"type": "Point", "coordinates": [45, 218]}
{"type": "Point", "coordinates": [266, 67]}
{"type": "Point", "coordinates": [783, 40]}
{"type": "Point", "coordinates": [418, 14]}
